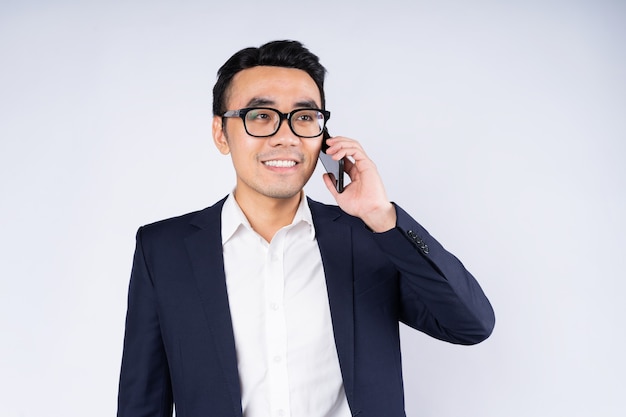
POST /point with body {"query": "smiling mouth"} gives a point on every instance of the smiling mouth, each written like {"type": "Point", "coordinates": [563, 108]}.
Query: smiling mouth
{"type": "Point", "coordinates": [280, 163]}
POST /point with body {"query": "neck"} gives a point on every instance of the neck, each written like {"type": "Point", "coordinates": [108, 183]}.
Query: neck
{"type": "Point", "coordinates": [268, 215]}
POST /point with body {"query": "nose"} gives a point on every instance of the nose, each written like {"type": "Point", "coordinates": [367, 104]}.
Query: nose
{"type": "Point", "coordinates": [284, 136]}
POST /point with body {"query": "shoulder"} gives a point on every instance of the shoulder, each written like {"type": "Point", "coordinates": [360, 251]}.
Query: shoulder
{"type": "Point", "coordinates": [323, 213]}
{"type": "Point", "coordinates": [183, 224]}
{"type": "Point", "coordinates": [318, 208]}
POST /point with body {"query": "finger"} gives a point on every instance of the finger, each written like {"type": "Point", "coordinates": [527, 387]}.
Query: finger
{"type": "Point", "coordinates": [339, 144]}
{"type": "Point", "coordinates": [330, 184]}
{"type": "Point", "coordinates": [349, 150]}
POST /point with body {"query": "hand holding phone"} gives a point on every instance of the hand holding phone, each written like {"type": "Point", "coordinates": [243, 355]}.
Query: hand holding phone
{"type": "Point", "coordinates": [334, 168]}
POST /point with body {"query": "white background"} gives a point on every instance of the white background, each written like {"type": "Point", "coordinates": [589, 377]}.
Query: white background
{"type": "Point", "coordinates": [499, 125]}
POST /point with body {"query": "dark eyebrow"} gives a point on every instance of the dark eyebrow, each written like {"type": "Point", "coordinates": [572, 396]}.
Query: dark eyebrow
{"type": "Point", "coordinates": [307, 104]}
{"type": "Point", "coordinates": [260, 102]}
{"type": "Point", "coordinates": [265, 102]}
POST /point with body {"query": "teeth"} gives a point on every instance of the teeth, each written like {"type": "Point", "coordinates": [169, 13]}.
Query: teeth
{"type": "Point", "coordinates": [281, 164]}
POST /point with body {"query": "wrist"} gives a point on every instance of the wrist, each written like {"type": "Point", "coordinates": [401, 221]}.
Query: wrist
{"type": "Point", "coordinates": [381, 219]}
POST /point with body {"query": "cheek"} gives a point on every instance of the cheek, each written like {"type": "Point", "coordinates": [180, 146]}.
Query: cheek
{"type": "Point", "coordinates": [243, 153]}
{"type": "Point", "coordinates": [313, 151]}
{"type": "Point", "coordinates": [240, 159]}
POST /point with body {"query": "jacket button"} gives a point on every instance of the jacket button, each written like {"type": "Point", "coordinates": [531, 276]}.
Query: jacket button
{"type": "Point", "coordinates": [418, 241]}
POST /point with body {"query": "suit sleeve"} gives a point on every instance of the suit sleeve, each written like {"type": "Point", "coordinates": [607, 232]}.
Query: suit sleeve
{"type": "Point", "coordinates": [145, 386]}
{"type": "Point", "coordinates": [438, 295]}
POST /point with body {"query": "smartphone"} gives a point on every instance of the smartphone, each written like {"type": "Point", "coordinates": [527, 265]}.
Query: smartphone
{"type": "Point", "coordinates": [335, 168]}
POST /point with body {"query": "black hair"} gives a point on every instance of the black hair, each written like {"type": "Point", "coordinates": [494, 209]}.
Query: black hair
{"type": "Point", "coordinates": [286, 53]}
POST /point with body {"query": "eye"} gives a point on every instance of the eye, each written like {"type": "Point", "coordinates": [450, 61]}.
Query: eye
{"type": "Point", "coordinates": [259, 115]}
{"type": "Point", "coordinates": [306, 116]}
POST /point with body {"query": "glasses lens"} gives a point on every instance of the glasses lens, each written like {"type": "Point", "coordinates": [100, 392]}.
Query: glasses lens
{"type": "Point", "coordinates": [307, 123]}
{"type": "Point", "coordinates": [262, 122]}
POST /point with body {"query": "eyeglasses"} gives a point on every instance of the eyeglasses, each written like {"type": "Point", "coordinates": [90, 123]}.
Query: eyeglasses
{"type": "Point", "coordinates": [262, 122]}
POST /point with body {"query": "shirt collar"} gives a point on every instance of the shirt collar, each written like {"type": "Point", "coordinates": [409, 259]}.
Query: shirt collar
{"type": "Point", "coordinates": [233, 217]}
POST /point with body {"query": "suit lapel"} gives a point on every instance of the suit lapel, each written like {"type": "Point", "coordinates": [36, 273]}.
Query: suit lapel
{"type": "Point", "coordinates": [335, 243]}
{"type": "Point", "coordinates": [205, 251]}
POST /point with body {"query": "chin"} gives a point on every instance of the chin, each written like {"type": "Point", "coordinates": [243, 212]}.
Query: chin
{"type": "Point", "coordinates": [282, 194]}
{"type": "Point", "coordinates": [284, 188]}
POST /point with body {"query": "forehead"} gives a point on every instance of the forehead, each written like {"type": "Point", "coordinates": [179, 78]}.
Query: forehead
{"type": "Point", "coordinates": [282, 86]}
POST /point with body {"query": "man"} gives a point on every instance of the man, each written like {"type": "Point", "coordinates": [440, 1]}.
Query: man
{"type": "Point", "coordinates": [270, 304]}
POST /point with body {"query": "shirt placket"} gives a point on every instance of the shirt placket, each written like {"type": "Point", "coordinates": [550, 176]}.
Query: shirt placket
{"type": "Point", "coordinates": [276, 327]}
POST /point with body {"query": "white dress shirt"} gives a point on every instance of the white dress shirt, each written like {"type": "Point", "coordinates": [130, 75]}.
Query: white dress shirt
{"type": "Point", "coordinates": [286, 354]}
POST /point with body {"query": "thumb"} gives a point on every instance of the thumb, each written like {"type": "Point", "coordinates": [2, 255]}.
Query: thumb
{"type": "Point", "coordinates": [330, 184]}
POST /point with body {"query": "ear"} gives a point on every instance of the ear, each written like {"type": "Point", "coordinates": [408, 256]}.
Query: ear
{"type": "Point", "coordinates": [219, 136]}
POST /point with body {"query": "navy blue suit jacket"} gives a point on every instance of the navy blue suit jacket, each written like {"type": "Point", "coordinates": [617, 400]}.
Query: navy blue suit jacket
{"type": "Point", "coordinates": [179, 345]}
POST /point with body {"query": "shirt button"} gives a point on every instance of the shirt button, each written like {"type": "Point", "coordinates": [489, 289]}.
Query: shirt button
{"type": "Point", "coordinates": [275, 306]}
{"type": "Point", "coordinates": [277, 359]}
{"type": "Point", "coordinates": [281, 413]}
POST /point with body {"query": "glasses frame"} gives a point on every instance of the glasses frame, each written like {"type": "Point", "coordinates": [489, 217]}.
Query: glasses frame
{"type": "Point", "coordinates": [241, 113]}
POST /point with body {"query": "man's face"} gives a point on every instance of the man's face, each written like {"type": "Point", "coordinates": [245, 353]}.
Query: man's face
{"type": "Point", "coordinates": [280, 165]}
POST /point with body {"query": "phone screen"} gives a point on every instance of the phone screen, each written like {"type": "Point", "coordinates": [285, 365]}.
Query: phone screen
{"type": "Point", "coordinates": [331, 166]}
